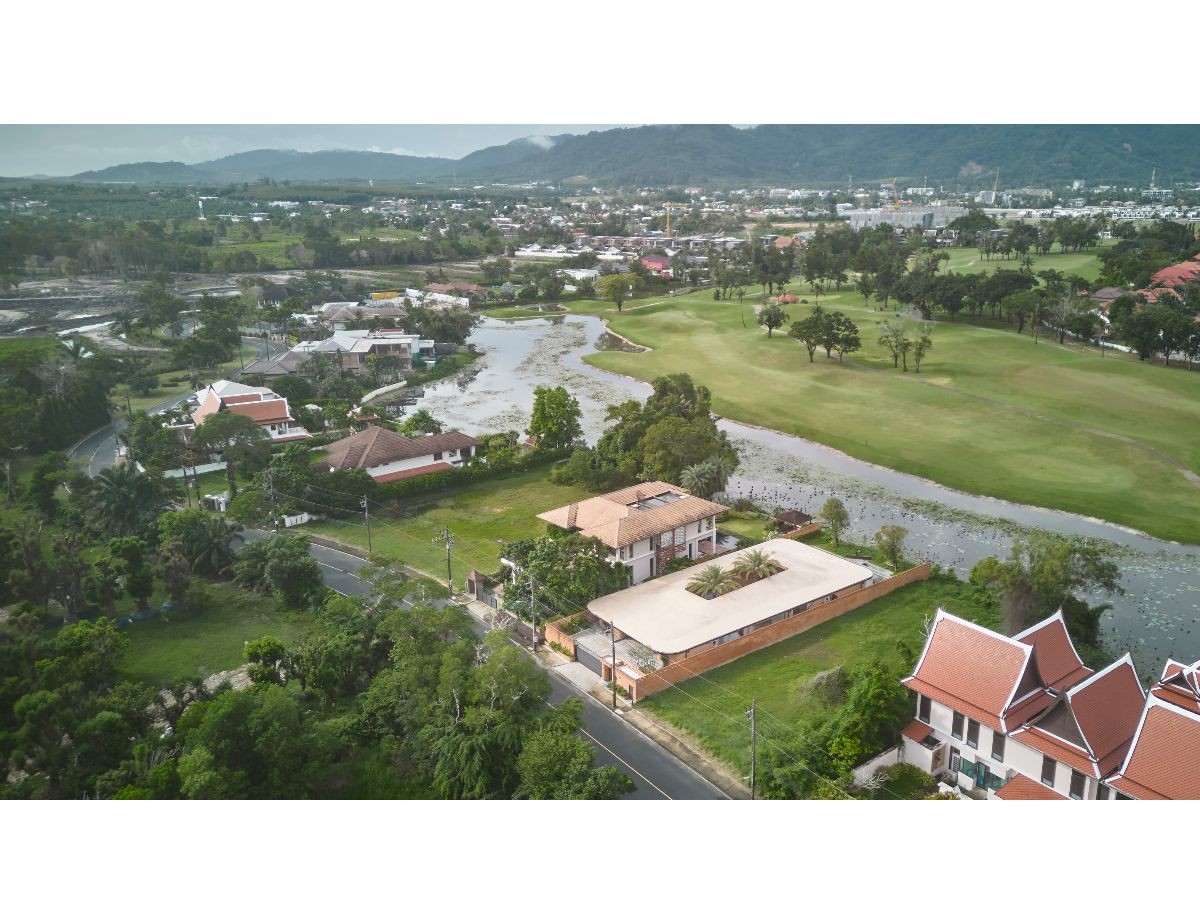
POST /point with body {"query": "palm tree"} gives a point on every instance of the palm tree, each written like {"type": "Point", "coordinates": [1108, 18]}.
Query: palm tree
{"type": "Point", "coordinates": [698, 479]}
{"type": "Point", "coordinates": [209, 545]}
{"type": "Point", "coordinates": [124, 501]}
{"type": "Point", "coordinates": [711, 581]}
{"type": "Point", "coordinates": [755, 565]}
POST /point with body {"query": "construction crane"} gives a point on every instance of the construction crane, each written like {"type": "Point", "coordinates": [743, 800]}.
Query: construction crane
{"type": "Point", "coordinates": [668, 205]}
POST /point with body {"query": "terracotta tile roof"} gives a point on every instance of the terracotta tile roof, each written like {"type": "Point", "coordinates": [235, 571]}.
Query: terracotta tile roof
{"type": "Point", "coordinates": [1181, 273]}
{"type": "Point", "coordinates": [1180, 685]}
{"type": "Point", "coordinates": [1028, 708]}
{"type": "Point", "coordinates": [613, 521]}
{"type": "Point", "coordinates": [1059, 664]}
{"type": "Point", "coordinates": [1055, 747]}
{"type": "Point", "coordinates": [916, 731]}
{"type": "Point", "coordinates": [1162, 760]}
{"type": "Point", "coordinates": [979, 669]}
{"type": "Point", "coordinates": [242, 398]}
{"type": "Point", "coordinates": [264, 412]}
{"type": "Point", "coordinates": [1021, 788]}
{"type": "Point", "coordinates": [411, 473]}
{"type": "Point", "coordinates": [375, 446]}
{"type": "Point", "coordinates": [1107, 708]}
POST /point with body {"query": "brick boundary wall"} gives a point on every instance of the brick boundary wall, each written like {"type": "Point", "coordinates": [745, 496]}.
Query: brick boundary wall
{"type": "Point", "coordinates": [803, 531]}
{"type": "Point", "coordinates": [684, 669]}
{"type": "Point", "coordinates": [555, 634]}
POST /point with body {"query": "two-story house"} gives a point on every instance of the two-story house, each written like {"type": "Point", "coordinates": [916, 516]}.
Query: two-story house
{"type": "Point", "coordinates": [266, 408]}
{"type": "Point", "coordinates": [1020, 717]}
{"type": "Point", "coordinates": [644, 526]}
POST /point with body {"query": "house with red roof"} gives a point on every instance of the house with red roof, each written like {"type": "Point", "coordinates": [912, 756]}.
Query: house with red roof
{"type": "Point", "coordinates": [1174, 276]}
{"type": "Point", "coordinates": [387, 456]}
{"type": "Point", "coordinates": [266, 408]}
{"type": "Point", "coordinates": [1022, 717]}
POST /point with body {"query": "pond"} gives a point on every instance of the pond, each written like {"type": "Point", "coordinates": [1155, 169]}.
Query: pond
{"type": "Point", "coordinates": [1157, 617]}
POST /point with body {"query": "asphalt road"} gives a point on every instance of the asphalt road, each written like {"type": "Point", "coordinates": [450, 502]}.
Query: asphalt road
{"type": "Point", "coordinates": [657, 774]}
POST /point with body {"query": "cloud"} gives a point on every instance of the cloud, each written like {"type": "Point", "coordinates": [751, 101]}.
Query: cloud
{"type": "Point", "coordinates": [540, 140]}
{"type": "Point", "coordinates": [399, 151]}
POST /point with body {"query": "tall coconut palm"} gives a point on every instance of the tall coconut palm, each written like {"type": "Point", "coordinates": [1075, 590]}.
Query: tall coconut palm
{"type": "Point", "coordinates": [209, 545]}
{"type": "Point", "coordinates": [711, 581]}
{"type": "Point", "coordinates": [756, 564]}
{"type": "Point", "coordinates": [124, 501]}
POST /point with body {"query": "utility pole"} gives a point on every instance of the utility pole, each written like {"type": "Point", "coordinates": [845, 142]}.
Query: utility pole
{"type": "Point", "coordinates": [753, 746]}
{"type": "Point", "coordinates": [271, 494]}
{"type": "Point", "coordinates": [533, 618]}
{"type": "Point", "coordinates": [367, 518]}
{"type": "Point", "coordinates": [449, 539]}
{"type": "Point", "coordinates": [612, 632]}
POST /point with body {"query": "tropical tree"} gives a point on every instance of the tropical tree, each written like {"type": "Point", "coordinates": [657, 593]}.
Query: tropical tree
{"type": "Point", "coordinates": [239, 439]}
{"type": "Point", "coordinates": [209, 545]}
{"type": "Point", "coordinates": [711, 581]}
{"type": "Point", "coordinates": [834, 518]}
{"type": "Point", "coordinates": [889, 543]}
{"type": "Point", "coordinates": [771, 316]}
{"type": "Point", "coordinates": [754, 565]}
{"type": "Point", "coordinates": [922, 343]}
{"type": "Point", "coordinates": [554, 421]}
{"type": "Point", "coordinates": [123, 501]}
{"type": "Point", "coordinates": [176, 573]}
{"type": "Point", "coordinates": [809, 331]}
{"type": "Point", "coordinates": [615, 288]}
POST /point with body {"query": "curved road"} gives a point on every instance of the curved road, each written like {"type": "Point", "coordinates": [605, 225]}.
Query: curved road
{"type": "Point", "coordinates": [99, 449]}
{"type": "Point", "coordinates": [657, 774]}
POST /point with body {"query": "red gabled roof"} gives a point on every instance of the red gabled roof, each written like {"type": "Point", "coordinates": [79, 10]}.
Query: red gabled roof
{"type": "Point", "coordinates": [1162, 761]}
{"type": "Point", "coordinates": [1107, 708]}
{"type": "Point", "coordinates": [1091, 726]}
{"type": "Point", "coordinates": [1057, 661]}
{"type": "Point", "coordinates": [1180, 685]}
{"type": "Point", "coordinates": [411, 473]}
{"type": "Point", "coordinates": [1021, 788]}
{"type": "Point", "coordinates": [264, 412]}
{"type": "Point", "coordinates": [971, 669]}
{"type": "Point", "coordinates": [1181, 273]}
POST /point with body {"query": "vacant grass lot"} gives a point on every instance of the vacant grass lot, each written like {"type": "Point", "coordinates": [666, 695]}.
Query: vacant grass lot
{"type": "Point", "coordinates": [210, 639]}
{"type": "Point", "coordinates": [713, 706]}
{"type": "Point", "coordinates": [480, 518]}
{"type": "Point", "coordinates": [968, 261]}
{"type": "Point", "coordinates": [991, 412]}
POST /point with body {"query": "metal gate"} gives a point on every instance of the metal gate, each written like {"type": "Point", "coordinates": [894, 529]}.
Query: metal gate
{"type": "Point", "coordinates": [583, 655]}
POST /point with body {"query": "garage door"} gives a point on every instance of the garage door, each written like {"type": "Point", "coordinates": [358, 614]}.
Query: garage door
{"type": "Point", "coordinates": [588, 659]}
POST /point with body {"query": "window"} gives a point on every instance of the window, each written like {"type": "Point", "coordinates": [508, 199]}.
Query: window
{"type": "Point", "coordinates": [1077, 785]}
{"type": "Point", "coordinates": [437, 456]}
{"type": "Point", "coordinates": [956, 727]}
{"type": "Point", "coordinates": [972, 733]}
{"type": "Point", "coordinates": [1049, 769]}
{"type": "Point", "coordinates": [924, 709]}
{"type": "Point", "coordinates": [955, 759]}
{"type": "Point", "coordinates": [997, 746]}
{"type": "Point", "coordinates": [1101, 792]}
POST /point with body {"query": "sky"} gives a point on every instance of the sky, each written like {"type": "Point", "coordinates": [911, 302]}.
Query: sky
{"type": "Point", "coordinates": [69, 149]}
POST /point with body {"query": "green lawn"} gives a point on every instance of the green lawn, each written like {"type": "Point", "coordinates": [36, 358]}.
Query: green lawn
{"type": "Point", "coordinates": [712, 707]}
{"type": "Point", "coordinates": [479, 517]}
{"type": "Point", "coordinates": [968, 261]}
{"type": "Point", "coordinates": [166, 648]}
{"type": "Point", "coordinates": [980, 394]}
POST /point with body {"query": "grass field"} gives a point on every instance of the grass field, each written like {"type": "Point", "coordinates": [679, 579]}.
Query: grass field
{"type": "Point", "coordinates": [1032, 409]}
{"type": "Point", "coordinates": [479, 517]}
{"type": "Point", "coordinates": [167, 648]}
{"type": "Point", "coordinates": [712, 707]}
{"type": "Point", "coordinates": [968, 261]}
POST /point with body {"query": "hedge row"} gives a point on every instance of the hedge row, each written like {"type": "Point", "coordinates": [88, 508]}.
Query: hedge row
{"type": "Point", "coordinates": [467, 475]}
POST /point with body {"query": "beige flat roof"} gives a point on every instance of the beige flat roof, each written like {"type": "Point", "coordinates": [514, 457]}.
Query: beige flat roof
{"type": "Point", "coordinates": [664, 615]}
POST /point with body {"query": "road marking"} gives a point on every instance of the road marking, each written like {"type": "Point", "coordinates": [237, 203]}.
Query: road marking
{"type": "Point", "coordinates": [623, 761]}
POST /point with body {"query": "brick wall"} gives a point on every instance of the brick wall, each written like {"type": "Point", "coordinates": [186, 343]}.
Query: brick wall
{"type": "Point", "coordinates": [803, 531]}
{"type": "Point", "coordinates": [554, 633]}
{"type": "Point", "coordinates": [681, 669]}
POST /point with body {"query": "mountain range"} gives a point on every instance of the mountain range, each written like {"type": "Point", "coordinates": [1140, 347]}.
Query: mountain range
{"type": "Point", "coordinates": [716, 155]}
